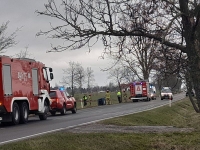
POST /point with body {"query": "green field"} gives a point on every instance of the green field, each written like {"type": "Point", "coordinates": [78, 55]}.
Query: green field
{"type": "Point", "coordinates": [95, 97]}
{"type": "Point", "coordinates": [180, 115]}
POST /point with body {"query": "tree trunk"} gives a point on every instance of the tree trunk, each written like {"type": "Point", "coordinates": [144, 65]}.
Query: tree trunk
{"type": "Point", "coordinates": [194, 76]}
{"type": "Point", "coordinates": [196, 86]}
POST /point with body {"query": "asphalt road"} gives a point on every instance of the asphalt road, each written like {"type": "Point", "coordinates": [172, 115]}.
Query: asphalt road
{"type": "Point", "coordinates": [36, 127]}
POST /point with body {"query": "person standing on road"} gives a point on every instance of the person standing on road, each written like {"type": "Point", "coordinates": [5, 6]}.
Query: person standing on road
{"type": "Point", "coordinates": [90, 99]}
{"type": "Point", "coordinates": [108, 97]}
{"type": "Point", "coordinates": [85, 99]}
{"type": "Point", "coordinates": [119, 96]}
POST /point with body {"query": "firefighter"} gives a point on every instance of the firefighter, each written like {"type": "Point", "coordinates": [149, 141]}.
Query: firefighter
{"type": "Point", "coordinates": [108, 97]}
{"type": "Point", "coordinates": [119, 96]}
{"type": "Point", "coordinates": [85, 99]}
{"type": "Point", "coordinates": [90, 99]}
{"type": "Point", "coordinates": [125, 96]}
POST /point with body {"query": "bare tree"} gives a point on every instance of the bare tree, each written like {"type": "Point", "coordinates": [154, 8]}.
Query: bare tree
{"type": "Point", "coordinates": [79, 76]}
{"type": "Point", "coordinates": [6, 41]}
{"type": "Point", "coordinates": [172, 23]}
{"type": "Point", "coordinates": [74, 76]}
{"type": "Point", "coordinates": [129, 75]}
{"type": "Point", "coordinates": [69, 76]}
{"type": "Point", "coordinates": [117, 74]}
{"type": "Point", "coordinates": [138, 55]}
{"type": "Point", "coordinates": [170, 68]}
{"type": "Point", "coordinates": [89, 78]}
{"type": "Point", "coordinates": [23, 53]}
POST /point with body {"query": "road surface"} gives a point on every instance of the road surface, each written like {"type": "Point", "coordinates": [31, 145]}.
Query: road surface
{"type": "Point", "coordinates": [36, 127]}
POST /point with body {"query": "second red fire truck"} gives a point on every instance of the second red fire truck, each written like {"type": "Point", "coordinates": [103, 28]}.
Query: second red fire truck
{"type": "Point", "coordinates": [24, 89]}
{"type": "Point", "coordinates": [139, 90]}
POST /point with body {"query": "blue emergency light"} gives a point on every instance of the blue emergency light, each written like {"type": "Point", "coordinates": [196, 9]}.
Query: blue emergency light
{"type": "Point", "coordinates": [61, 88]}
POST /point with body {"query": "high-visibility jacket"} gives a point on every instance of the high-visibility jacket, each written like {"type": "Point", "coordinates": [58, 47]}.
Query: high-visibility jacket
{"type": "Point", "coordinates": [119, 93]}
{"type": "Point", "coordinates": [84, 97]}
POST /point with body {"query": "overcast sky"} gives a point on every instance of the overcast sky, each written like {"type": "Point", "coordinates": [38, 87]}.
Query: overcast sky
{"type": "Point", "coordinates": [21, 14]}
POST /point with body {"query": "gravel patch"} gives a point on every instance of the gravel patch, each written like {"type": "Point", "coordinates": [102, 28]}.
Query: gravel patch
{"type": "Point", "coordinates": [101, 128]}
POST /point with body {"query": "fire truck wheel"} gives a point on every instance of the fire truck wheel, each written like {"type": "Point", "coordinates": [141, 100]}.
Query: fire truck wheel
{"type": "Point", "coordinates": [23, 112]}
{"type": "Point", "coordinates": [64, 110]}
{"type": "Point", "coordinates": [44, 115]}
{"type": "Point", "coordinates": [74, 110]}
{"type": "Point", "coordinates": [15, 114]}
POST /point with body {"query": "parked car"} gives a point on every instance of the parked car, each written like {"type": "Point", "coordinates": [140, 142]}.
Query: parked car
{"type": "Point", "coordinates": [62, 102]}
{"type": "Point", "coordinates": [166, 94]}
{"type": "Point", "coordinates": [152, 94]}
{"type": "Point", "coordinates": [187, 94]}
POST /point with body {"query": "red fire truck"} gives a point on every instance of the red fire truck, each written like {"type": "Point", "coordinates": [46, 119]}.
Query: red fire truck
{"type": "Point", "coordinates": [24, 89]}
{"type": "Point", "coordinates": [139, 90]}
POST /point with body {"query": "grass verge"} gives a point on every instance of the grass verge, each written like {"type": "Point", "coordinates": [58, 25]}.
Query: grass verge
{"type": "Point", "coordinates": [96, 96]}
{"type": "Point", "coordinates": [181, 114]}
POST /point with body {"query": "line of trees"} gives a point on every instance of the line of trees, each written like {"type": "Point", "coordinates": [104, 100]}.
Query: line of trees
{"type": "Point", "coordinates": [173, 25]}
{"type": "Point", "coordinates": [158, 38]}
{"type": "Point", "coordinates": [75, 76]}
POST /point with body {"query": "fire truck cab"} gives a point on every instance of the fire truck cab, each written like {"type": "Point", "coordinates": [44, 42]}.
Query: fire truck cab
{"type": "Point", "coordinates": [24, 89]}
{"type": "Point", "coordinates": [139, 90]}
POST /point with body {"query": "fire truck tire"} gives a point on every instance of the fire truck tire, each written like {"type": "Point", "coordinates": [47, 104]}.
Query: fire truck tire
{"type": "Point", "coordinates": [44, 115]}
{"type": "Point", "coordinates": [24, 112]}
{"type": "Point", "coordinates": [74, 110]}
{"type": "Point", "coordinates": [64, 110]}
{"type": "Point", "coordinates": [15, 114]}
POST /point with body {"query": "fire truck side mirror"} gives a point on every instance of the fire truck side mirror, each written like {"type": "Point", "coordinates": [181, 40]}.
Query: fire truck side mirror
{"type": "Point", "coordinates": [51, 76]}
{"type": "Point", "coordinates": [50, 70]}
